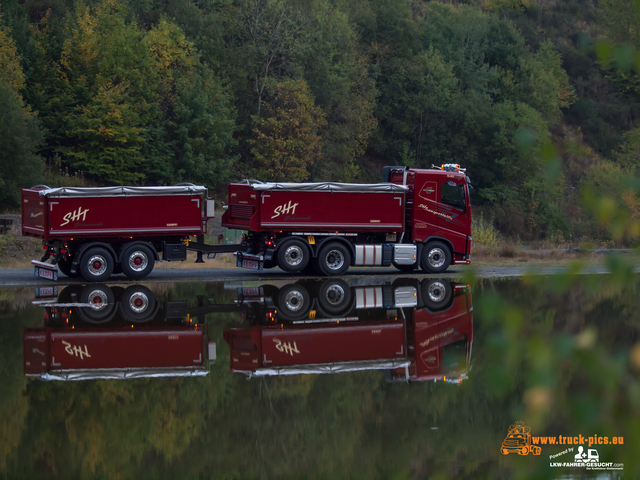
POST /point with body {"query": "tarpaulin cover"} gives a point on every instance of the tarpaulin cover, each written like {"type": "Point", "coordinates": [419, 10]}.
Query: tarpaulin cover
{"type": "Point", "coordinates": [123, 373]}
{"type": "Point", "coordinates": [333, 187]}
{"type": "Point", "coordinates": [332, 367]}
{"type": "Point", "coordinates": [120, 191]}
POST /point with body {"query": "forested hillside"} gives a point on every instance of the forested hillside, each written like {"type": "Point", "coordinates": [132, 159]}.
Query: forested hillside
{"type": "Point", "coordinates": [539, 101]}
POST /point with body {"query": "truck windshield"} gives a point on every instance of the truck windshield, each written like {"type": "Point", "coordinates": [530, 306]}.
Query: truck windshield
{"type": "Point", "coordinates": [452, 194]}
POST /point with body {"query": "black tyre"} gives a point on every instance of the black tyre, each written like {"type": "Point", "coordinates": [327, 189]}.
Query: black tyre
{"type": "Point", "coordinates": [137, 261]}
{"type": "Point", "coordinates": [405, 268]}
{"type": "Point", "coordinates": [64, 266]}
{"type": "Point", "coordinates": [101, 301]}
{"type": "Point", "coordinates": [335, 297]}
{"type": "Point", "coordinates": [96, 264]}
{"type": "Point", "coordinates": [294, 302]}
{"type": "Point", "coordinates": [293, 255]}
{"type": "Point", "coordinates": [138, 304]}
{"type": "Point", "coordinates": [334, 259]}
{"type": "Point", "coordinates": [436, 257]}
{"type": "Point", "coordinates": [436, 294]}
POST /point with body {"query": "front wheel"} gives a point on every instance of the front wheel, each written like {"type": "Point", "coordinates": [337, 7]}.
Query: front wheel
{"type": "Point", "coordinates": [334, 259]}
{"type": "Point", "coordinates": [137, 261]}
{"type": "Point", "coordinates": [436, 257]}
{"type": "Point", "coordinates": [96, 264]}
{"type": "Point", "coordinates": [436, 294]}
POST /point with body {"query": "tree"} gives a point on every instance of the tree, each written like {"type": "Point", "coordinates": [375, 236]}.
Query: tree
{"type": "Point", "coordinates": [20, 133]}
{"type": "Point", "coordinates": [286, 139]}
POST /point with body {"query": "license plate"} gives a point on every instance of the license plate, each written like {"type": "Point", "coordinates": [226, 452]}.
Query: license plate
{"type": "Point", "coordinates": [45, 273]}
{"type": "Point", "coordinates": [252, 291]}
{"type": "Point", "coordinates": [252, 264]}
{"type": "Point", "coordinates": [47, 292]}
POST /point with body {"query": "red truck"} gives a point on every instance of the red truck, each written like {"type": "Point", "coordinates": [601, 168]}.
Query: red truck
{"type": "Point", "coordinates": [98, 332]}
{"type": "Point", "coordinates": [95, 232]}
{"type": "Point", "coordinates": [412, 330]}
{"type": "Point", "coordinates": [415, 218]}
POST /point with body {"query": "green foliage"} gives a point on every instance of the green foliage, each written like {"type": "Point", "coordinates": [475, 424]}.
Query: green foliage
{"type": "Point", "coordinates": [20, 136]}
{"type": "Point", "coordinates": [286, 139]}
{"type": "Point", "coordinates": [483, 232]}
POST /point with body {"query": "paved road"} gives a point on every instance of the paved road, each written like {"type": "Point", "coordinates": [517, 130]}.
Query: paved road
{"type": "Point", "coordinates": [25, 277]}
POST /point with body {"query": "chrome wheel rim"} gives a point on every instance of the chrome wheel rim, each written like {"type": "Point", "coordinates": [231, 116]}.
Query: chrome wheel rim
{"type": "Point", "coordinates": [97, 265]}
{"type": "Point", "coordinates": [335, 260]}
{"type": "Point", "coordinates": [436, 257]}
{"type": "Point", "coordinates": [293, 255]}
{"type": "Point", "coordinates": [437, 291]}
{"type": "Point", "coordinates": [98, 300]}
{"type": "Point", "coordinates": [294, 301]}
{"type": "Point", "coordinates": [335, 295]}
{"type": "Point", "coordinates": [138, 261]}
{"type": "Point", "coordinates": [138, 302]}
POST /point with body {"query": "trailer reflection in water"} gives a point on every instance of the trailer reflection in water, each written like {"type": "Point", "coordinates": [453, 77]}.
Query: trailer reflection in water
{"type": "Point", "coordinates": [412, 330]}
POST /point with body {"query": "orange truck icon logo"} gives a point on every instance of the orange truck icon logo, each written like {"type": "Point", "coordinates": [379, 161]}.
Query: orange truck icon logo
{"type": "Point", "coordinates": [519, 441]}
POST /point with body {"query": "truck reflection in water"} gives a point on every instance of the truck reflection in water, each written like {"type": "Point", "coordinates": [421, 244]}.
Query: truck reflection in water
{"type": "Point", "coordinates": [109, 332]}
{"type": "Point", "coordinates": [412, 330]}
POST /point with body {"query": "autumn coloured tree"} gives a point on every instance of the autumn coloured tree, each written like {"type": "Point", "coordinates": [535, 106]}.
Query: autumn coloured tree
{"type": "Point", "coordinates": [286, 141]}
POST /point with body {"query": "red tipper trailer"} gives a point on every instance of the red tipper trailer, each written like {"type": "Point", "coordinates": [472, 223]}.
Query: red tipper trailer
{"type": "Point", "coordinates": [416, 218]}
{"type": "Point", "coordinates": [94, 232]}
{"type": "Point", "coordinates": [67, 353]}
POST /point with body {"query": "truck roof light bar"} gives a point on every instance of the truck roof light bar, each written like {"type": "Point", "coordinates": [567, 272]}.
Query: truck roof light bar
{"type": "Point", "coordinates": [450, 167]}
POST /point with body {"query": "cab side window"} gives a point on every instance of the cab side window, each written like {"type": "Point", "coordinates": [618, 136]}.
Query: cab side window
{"type": "Point", "coordinates": [452, 194]}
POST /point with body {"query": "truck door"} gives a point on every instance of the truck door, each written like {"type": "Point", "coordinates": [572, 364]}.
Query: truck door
{"type": "Point", "coordinates": [425, 208]}
{"type": "Point", "coordinates": [453, 220]}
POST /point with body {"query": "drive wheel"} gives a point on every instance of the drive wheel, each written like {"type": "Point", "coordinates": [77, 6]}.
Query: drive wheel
{"type": "Point", "coordinates": [64, 266]}
{"type": "Point", "coordinates": [436, 257]}
{"type": "Point", "coordinates": [137, 261]}
{"type": "Point", "coordinates": [335, 297]}
{"type": "Point", "coordinates": [138, 304]}
{"type": "Point", "coordinates": [96, 264]}
{"type": "Point", "coordinates": [436, 294]}
{"type": "Point", "coordinates": [294, 302]}
{"type": "Point", "coordinates": [334, 259]}
{"type": "Point", "coordinates": [293, 255]}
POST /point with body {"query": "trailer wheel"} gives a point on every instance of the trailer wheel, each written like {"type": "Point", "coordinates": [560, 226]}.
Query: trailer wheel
{"type": "Point", "coordinates": [334, 259]}
{"type": "Point", "coordinates": [294, 302]}
{"type": "Point", "coordinates": [436, 294]}
{"type": "Point", "coordinates": [101, 301]}
{"type": "Point", "coordinates": [96, 264]}
{"type": "Point", "coordinates": [293, 255]}
{"type": "Point", "coordinates": [436, 257]}
{"type": "Point", "coordinates": [335, 297]}
{"type": "Point", "coordinates": [138, 304]}
{"type": "Point", "coordinates": [137, 261]}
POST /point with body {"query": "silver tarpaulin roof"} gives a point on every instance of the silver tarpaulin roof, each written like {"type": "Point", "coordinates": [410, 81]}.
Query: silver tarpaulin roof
{"type": "Point", "coordinates": [123, 373]}
{"type": "Point", "coordinates": [332, 367]}
{"type": "Point", "coordinates": [120, 191]}
{"type": "Point", "coordinates": [332, 187]}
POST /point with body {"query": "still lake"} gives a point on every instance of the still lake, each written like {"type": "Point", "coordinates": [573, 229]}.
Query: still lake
{"type": "Point", "coordinates": [317, 378]}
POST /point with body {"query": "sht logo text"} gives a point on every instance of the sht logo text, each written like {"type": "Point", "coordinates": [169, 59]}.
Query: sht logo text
{"type": "Point", "coordinates": [286, 208]}
{"type": "Point", "coordinates": [76, 215]}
